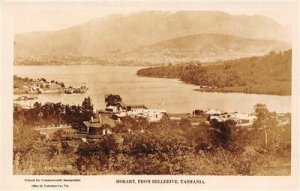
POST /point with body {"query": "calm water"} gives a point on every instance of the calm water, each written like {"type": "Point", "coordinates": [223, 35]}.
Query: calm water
{"type": "Point", "coordinates": [170, 94]}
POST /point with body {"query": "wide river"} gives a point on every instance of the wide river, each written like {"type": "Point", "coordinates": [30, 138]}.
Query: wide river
{"type": "Point", "coordinates": [170, 94]}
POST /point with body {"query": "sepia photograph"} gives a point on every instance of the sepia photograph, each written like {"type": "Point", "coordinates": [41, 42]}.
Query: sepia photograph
{"type": "Point", "coordinates": [202, 89]}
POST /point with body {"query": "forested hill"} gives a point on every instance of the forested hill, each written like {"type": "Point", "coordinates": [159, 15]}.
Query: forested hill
{"type": "Point", "coordinates": [269, 74]}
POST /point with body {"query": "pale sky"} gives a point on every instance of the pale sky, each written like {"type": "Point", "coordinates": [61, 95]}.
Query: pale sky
{"type": "Point", "coordinates": [28, 17]}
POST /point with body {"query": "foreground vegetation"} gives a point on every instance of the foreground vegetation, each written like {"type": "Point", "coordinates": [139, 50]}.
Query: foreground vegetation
{"type": "Point", "coordinates": [165, 147]}
{"type": "Point", "coordinates": [270, 74]}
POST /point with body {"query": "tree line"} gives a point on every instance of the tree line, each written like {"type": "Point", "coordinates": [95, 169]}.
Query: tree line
{"type": "Point", "coordinates": [54, 113]}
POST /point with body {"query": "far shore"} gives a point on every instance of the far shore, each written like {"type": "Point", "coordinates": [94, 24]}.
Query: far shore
{"type": "Point", "coordinates": [228, 90]}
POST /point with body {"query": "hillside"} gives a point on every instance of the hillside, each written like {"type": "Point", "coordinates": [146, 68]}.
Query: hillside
{"type": "Point", "coordinates": [269, 74]}
{"type": "Point", "coordinates": [105, 38]}
{"type": "Point", "coordinates": [202, 47]}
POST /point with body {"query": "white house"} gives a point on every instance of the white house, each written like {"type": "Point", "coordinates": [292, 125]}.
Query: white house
{"type": "Point", "coordinates": [243, 119]}
{"type": "Point", "coordinates": [213, 112]}
{"type": "Point", "coordinates": [152, 115]}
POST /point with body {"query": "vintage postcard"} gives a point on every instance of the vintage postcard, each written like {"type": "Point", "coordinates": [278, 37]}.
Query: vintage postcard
{"type": "Point", "coordinates": [150, 95]}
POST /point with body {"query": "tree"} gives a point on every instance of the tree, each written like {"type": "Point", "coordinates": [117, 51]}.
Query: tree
{"type": "Point", "coordinates": [265, 120]}
{"type": "Point", "coordinates": [66, 148]}
{"type": "Point", "coordinates": [58, 112]}
{"type": "Point", "coordinates": [222, 134]}
{"type": "Point", "coordinates": [95, 155]}
{"type": "Point", "coordinates": [87, 108]}
{"type": "Point", "coordinates": [37, 105]}
{"type": "Point", "coordinates": [62, 84]}
{"type": "Point", "coordinates": [52, 151]}
{"type": "Point", "coordinates": [112, 100]}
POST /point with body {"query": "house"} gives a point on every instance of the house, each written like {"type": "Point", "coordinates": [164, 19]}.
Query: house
{"type": "Point", "coordinates": [119, 107]}
{"type": "Point", "coordinates": [112, 109]}
{"type": "Point", "coordinates": [243, 119]}
{"type": "Point", "coordinates": [156, 115]}
{"type": "Point", "coordinates": [54, 86]}
{"type": "Point", "coordinates": [152, 115]}
{"type": "Point", "coordinates": [136, 106]}
{"type": "Point", "coordinates": [219, 118]}
{"type": "Point", "coordinates": [119, 110]}
{"type": "Point", "coordinates": [213, 112]}
{"type": "Point", "coordinates": [102, 124]}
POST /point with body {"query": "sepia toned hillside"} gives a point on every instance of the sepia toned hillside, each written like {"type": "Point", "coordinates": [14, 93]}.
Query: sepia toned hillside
{"type": "Point", "coordinates": [269, 74]}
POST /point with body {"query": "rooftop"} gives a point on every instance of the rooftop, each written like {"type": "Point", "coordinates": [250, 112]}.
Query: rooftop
{"type": "Point", "coordinates": [99, 122]}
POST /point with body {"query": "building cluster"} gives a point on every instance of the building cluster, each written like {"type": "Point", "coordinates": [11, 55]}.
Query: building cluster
{"type": "Point", "coordinates": [103, 122]}
{"type": "Point", "coordinates": [241, 119]}
{"type": "Point", "coordinates": [115, 111]}
{"type": "Point", "coordinates": [244, 119]}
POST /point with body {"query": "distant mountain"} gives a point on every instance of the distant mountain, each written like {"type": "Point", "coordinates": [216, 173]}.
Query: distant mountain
{"type": "Point", "coordinates": [201, 47]}
{"type": "Point", "coordinates": [102, 38]}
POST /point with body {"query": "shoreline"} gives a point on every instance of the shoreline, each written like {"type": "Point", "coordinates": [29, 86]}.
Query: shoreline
{"type": "Point", "coordinates": [229, 91]}
{"type": "Point", "coordinates": [218, 90]}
